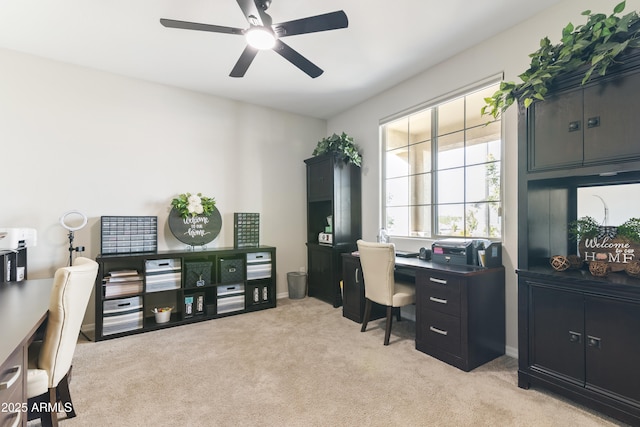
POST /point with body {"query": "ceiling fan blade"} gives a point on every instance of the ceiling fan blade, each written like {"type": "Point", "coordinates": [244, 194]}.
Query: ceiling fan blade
{"type": "Point", "coordinates": [254, 14]}
{"type": "Point", "coordinates": [170, 23]}
{"type": "Point", "coordinates": [296, 59]}
{"type": "Point", "coordinates": [312, 24]}
{"type": "Point", "coordinates": [244, 61]}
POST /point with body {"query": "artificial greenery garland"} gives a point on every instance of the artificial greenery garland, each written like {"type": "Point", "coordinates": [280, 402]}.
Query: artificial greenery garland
{"type": "Point", "coordinates": [594, 46]}
{"type": "Point", "coordinates": [587, 227]}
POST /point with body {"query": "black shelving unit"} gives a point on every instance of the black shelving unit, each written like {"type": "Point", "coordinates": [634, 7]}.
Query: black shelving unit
{"type": "Point", "coordinates": [197, 285]}
{"type": "Point", "coordinates": [333, 191]}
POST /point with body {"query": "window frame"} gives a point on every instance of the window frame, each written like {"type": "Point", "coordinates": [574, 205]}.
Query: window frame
{"type": "Point", "coordinates": [433, 204]}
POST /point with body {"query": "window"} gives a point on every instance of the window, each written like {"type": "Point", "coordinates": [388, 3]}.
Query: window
{"type": "Point", "coordinates": [441, 170]}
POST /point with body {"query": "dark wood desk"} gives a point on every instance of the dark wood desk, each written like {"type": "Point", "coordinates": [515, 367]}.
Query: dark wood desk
{"type": "Point", "coordinates": [23, 308]}
{"type": "Point", "coordinates": [460, 309]}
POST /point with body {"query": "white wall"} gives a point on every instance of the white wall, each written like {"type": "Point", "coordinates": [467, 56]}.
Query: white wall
{"type": "Point", "coordinates": [506, 53]}
{"type": "Point", "coordinates": [75, 138]}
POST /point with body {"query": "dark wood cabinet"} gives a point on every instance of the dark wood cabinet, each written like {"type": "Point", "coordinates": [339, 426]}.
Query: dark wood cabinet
{"type": "Point", "coordinates": [577, 334]}
{"type": "Point", "coordinates": [197, 285]}
{"type": "Point", "coordinates": [591, 125]}
{"type": "Point", "coordinates": [581, 339]}
{"type": "Point", "coordinates": [324, 273]}
{"type": "Point", "coordinates": [353, 298]}
{"type": "Point", "coordinates": [333, 207]}
{"type": "Point", "coordinates": [460, 317]}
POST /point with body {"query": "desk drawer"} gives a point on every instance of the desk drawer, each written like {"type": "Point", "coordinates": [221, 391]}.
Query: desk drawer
{"type": "Point", "coordinates": [12, 393]}
{"type": "Point", "coordinates": [441, 331]}
{"type": "Point", "coordinates": [440, 292]}
{"type": "Point", "coordinates": [445, 299]}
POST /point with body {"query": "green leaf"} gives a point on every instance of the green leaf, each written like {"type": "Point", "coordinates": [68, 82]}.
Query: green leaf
{"type": "Point", "coordinates": [566, 31]}
{"type": "Point", "coordinates": [619, 7]}
{"type": "Point", "coordinates": [527, 102]}
{"type": "Point", "coordinates": [597, 59]}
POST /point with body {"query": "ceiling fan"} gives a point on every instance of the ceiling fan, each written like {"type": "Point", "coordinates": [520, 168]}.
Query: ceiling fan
{"type": "Point", "coordinates": [262, 34]}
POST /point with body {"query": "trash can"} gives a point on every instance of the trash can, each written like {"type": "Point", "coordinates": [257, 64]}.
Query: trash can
{"type": "Point", "coordinates": [297, 284]}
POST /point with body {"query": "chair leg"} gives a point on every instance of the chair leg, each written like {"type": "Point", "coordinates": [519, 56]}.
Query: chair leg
{"type": "Point", "coordinates": [398, 314]}
{"type": "Point", "coordinates": [64, 396]}
{"type": "Point", "coordinates": [387, 332]}
{"type": "Point", "coordinates": [367, 313]}
{"type": "Point", "coordinates": [49, 418]}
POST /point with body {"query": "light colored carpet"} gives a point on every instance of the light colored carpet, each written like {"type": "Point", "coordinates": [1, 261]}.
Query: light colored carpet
{"type": "Point", "coordinates": [300, 364]}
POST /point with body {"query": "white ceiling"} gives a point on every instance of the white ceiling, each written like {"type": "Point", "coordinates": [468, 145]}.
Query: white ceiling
{"type": "Point", "coordinates": [386, 42]}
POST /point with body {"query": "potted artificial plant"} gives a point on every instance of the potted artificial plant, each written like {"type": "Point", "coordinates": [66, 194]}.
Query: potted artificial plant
{"type": "Point", "coordinates": [341, 146]}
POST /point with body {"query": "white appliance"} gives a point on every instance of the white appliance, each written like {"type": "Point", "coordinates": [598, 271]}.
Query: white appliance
{"type": "Point", "coordinates": [16, 238]}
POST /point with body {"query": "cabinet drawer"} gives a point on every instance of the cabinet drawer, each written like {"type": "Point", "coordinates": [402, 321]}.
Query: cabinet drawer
{"type": "Point", "coordinates": [440, 292]}
{"type": "Point", "coordinates": [441, 331]}
{"type": "Point", "coordinates": [226, 290]}
{"type": "Point", "coordinates": [230, 304]}
{"type": "Point", "coordinates": [12, 379]}
{"type": "Point", "coordinates": [122, 305]}
{"type": "Point", "coordinates": [10, 419]}
{"type": "Point", "coordinates": [445, 299]}
{"type": "Point", "coordinates": [121, 315]}
{"type": "Point", "coordinates": [162, 265]}
{"type": "Point", "coordinates": [258, 257]}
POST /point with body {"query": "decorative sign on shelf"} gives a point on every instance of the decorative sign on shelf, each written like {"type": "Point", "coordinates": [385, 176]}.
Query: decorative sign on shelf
{"type": "Point", "coordinates": [617, 251]}
{"type": "Point", "coordinates": [197, 230]}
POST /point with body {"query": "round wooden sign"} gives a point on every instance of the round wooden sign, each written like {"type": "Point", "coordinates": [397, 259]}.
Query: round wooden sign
{"type": "Point", "coordinates": [197, 230]}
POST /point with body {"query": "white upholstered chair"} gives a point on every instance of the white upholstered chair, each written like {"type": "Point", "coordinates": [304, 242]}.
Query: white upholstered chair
{"type": "Point", "coordinates": [50, 359]}
{"type": "Point", "coordinates": [378, 261]}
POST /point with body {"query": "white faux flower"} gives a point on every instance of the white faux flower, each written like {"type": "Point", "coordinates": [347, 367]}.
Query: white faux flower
{"type": "Point", "coordinates": [192, 208]}
{"type": "Point", "coordinates": [194, 200]}
{"type": "Point", "coordinates": [198, 209]}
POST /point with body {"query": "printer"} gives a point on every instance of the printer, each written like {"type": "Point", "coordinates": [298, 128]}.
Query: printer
{"type": "Point", "coordinates": [467, 252]}
{"type": "Point", "coordinates": [12, 239]}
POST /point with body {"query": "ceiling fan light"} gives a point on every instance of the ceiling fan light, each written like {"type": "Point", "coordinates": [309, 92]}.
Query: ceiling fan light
{"type": "Point", "coordinates": [260, 38]}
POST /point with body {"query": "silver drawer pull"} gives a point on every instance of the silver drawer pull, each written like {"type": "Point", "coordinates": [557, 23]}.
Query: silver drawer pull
{"type": "Point", "coordinates": [438, 300]}
{"type": "Point", "coordinates": [356, 274]}
{"type": "Point", "coordinates": [16, 374]}
{"type": "Point", "coordinates": [440, 281]}
{"type": "Point", "coordinates": [438, 331]}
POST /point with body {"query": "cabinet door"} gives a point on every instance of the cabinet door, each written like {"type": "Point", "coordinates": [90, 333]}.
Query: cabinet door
{"type": "Point", "coordinates": [320, 180]}
{"type": "Point", "coordinates": [610, 116]}
{"type": "Point", "coordinates": [353, 298]}
{"type": "Point", "coordinates": [613, 346]}
{"type": "Point", "coordinates": [352, 289]}
{"type": "Point", "coordinates": [555, 138]}
{"type": "Point", "coordinates": [322, 279]}
{"type": "Point", "coordinates": [556, 336]}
